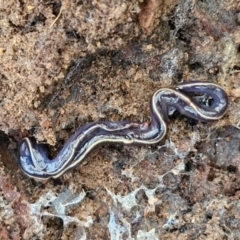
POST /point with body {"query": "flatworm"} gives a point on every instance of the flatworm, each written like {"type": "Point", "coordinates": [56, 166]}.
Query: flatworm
{"type": "Point", "coordinates": [35, 163]}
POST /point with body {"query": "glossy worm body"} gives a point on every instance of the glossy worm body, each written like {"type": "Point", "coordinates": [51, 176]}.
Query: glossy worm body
{"type": "Point", "coordinates": [35, 163]}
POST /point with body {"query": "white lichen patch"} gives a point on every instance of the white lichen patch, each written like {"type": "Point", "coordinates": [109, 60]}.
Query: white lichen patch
{"type": "Point", "coordinates": [60, 203]}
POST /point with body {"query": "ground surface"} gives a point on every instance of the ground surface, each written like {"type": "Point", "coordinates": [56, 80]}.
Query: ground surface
{"type": "Point", "coordinates": [66, 63]}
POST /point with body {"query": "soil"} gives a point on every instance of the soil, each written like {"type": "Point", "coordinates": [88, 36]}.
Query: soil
{"type": "Point", "coordinates": [66, 63]}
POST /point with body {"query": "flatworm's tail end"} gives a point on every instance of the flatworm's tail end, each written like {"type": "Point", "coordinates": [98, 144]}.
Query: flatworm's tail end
{"type": "Point", "coordinates": [26, 163]}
